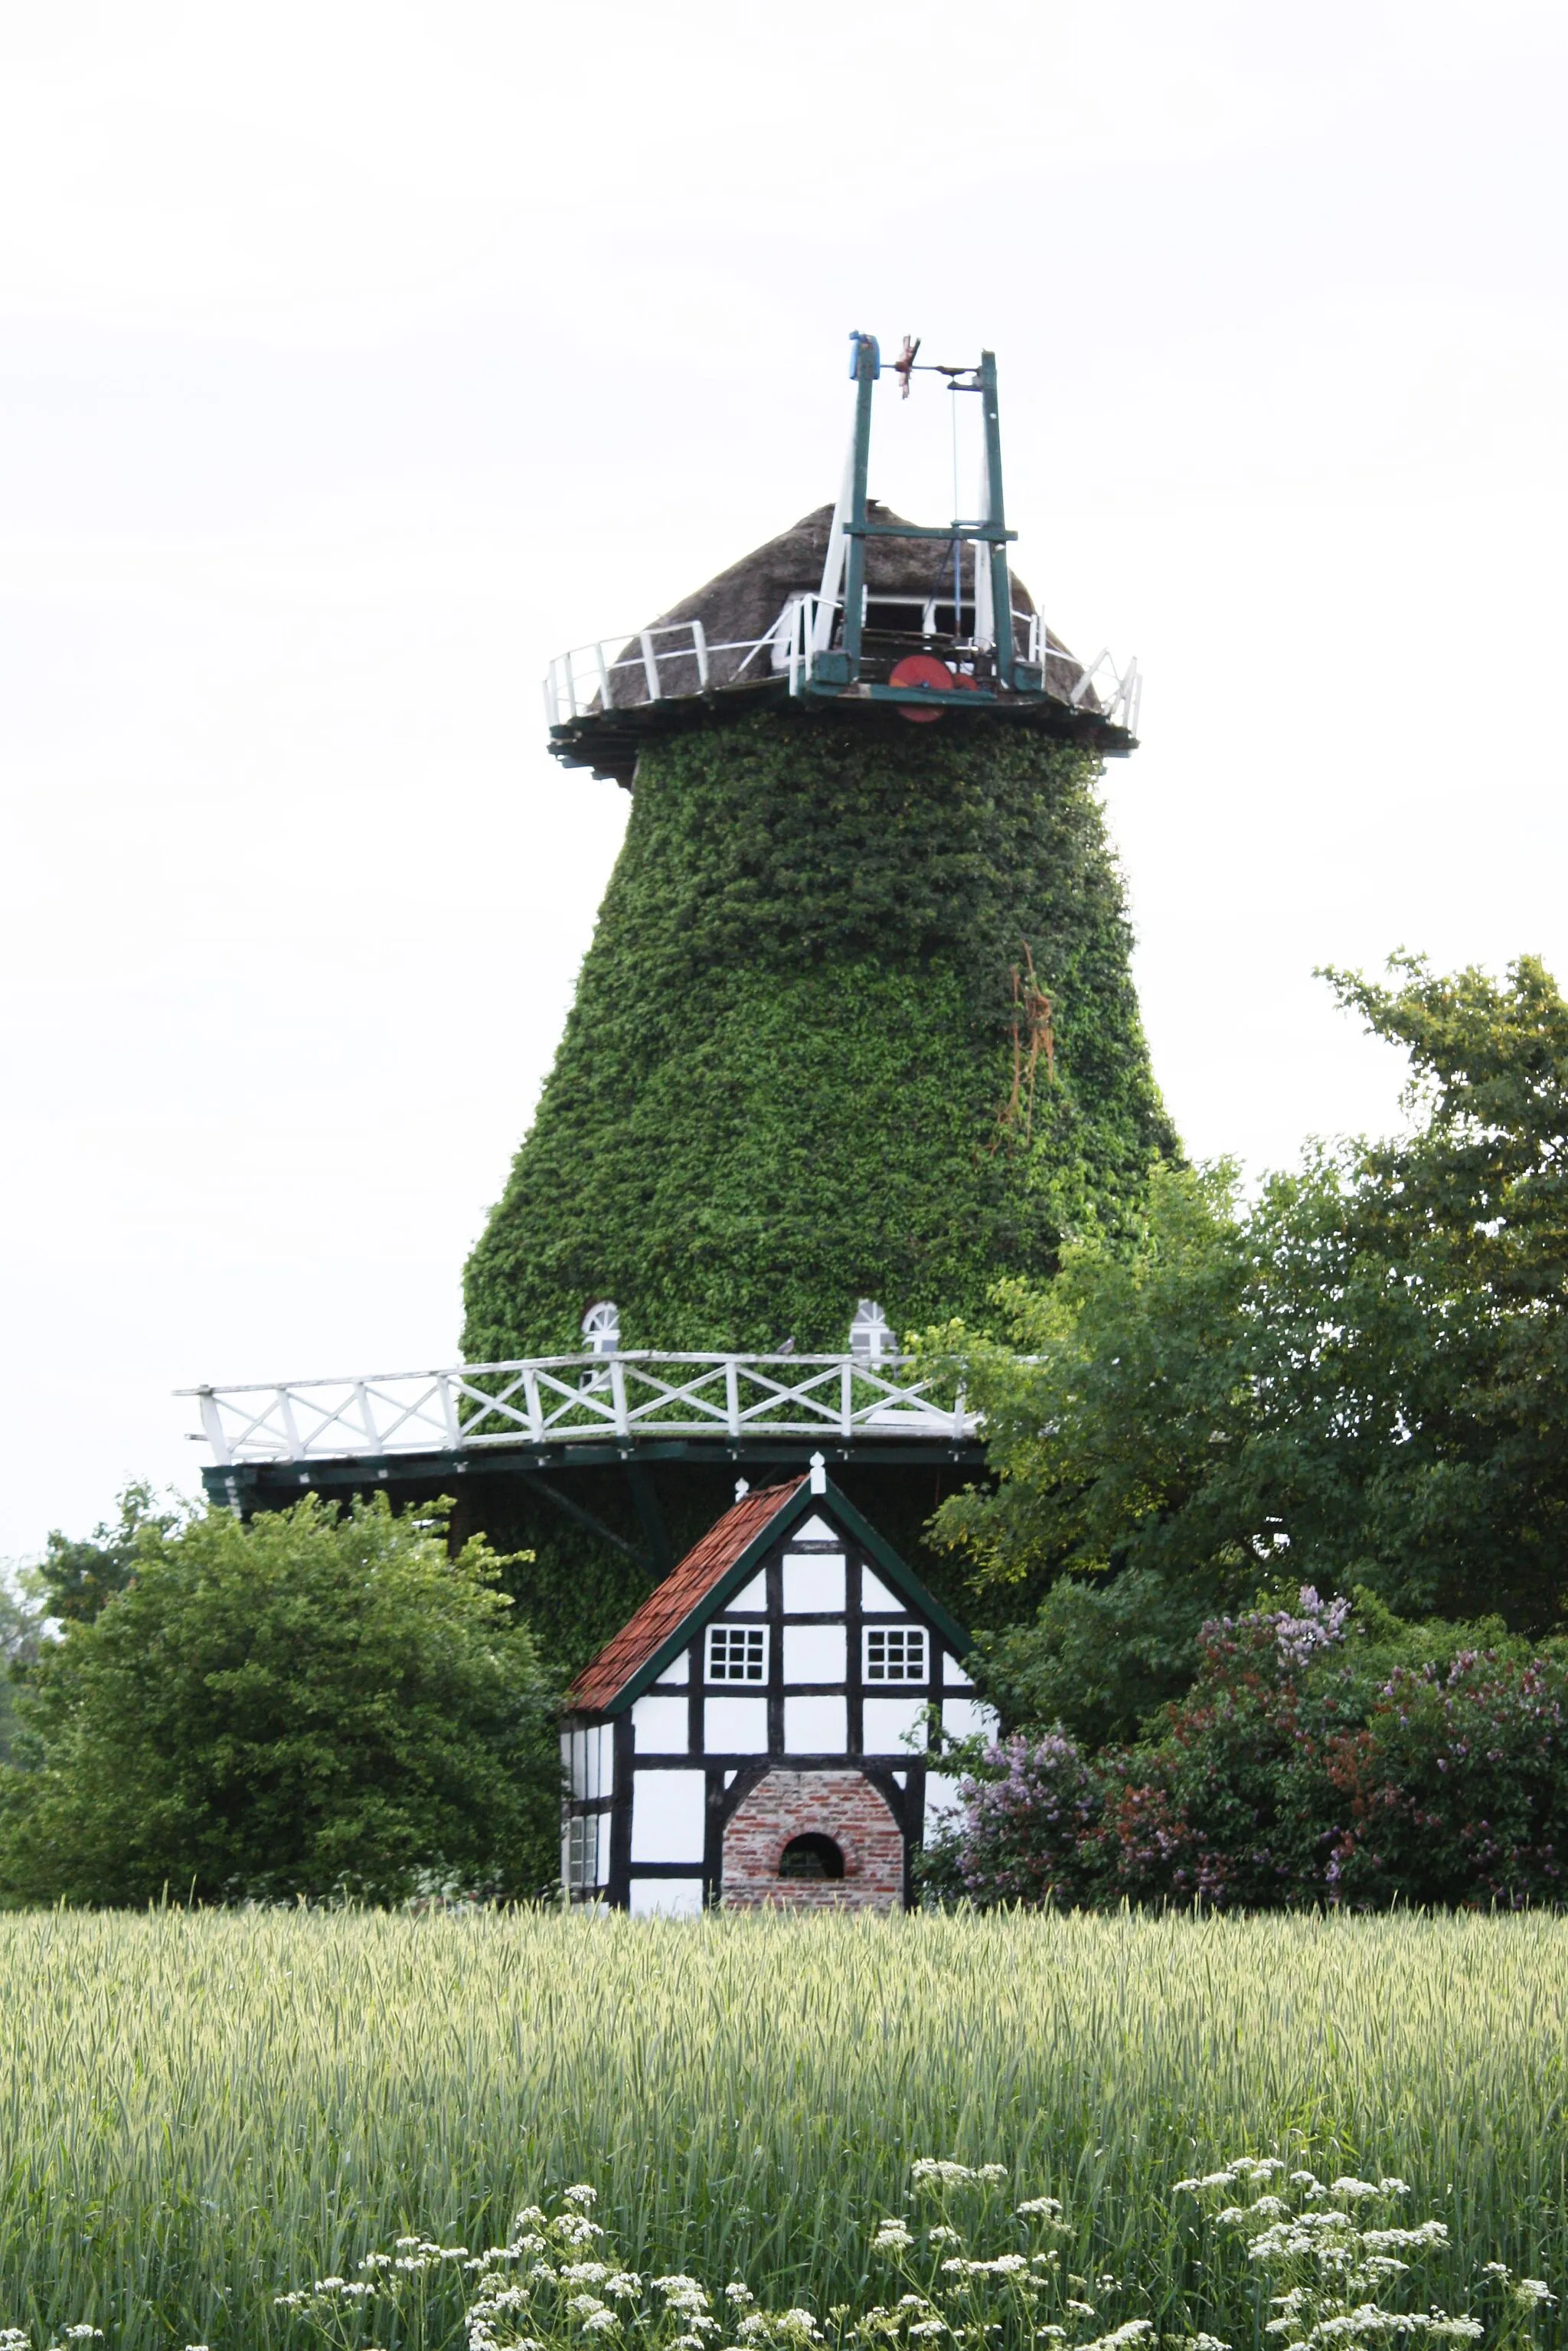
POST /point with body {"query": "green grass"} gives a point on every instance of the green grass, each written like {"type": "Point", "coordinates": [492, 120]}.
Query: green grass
{"type": "Point", "coordinates": [199, 2112]}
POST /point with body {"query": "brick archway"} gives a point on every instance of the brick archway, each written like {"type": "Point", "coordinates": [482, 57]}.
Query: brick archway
{"type": "Point", "coordinates": [842, 1805]}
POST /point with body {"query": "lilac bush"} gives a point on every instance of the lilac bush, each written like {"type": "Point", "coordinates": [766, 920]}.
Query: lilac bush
{"type": "Point", "coordinates": [1310, 1763]}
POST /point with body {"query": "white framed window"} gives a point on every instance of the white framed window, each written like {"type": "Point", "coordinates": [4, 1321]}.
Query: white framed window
{"type": "Point", "coordinates": [895, 1653]}
{"type": "Point", "coordinates": [582, 1851]}
{"type": "Point", "coordinates": [738, 1653]}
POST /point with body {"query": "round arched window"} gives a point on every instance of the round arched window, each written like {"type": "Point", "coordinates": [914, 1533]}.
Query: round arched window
{"type": "Point", "coordinates": [602, 1328]}
{"type": "Point", "coordinates": [811, 1857]}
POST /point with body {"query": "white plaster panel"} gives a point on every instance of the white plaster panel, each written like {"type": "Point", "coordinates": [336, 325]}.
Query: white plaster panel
{"type": "Point", "coordinates": [816, 1529]}
{"type": "Point", "coordinates": [815, 1653]}
{"type": "Point", "coordinates": [662, 1725]}
{"type": "Point", "coordinates": [962, 1718]}
{"type": "Point", "coordinates": [735, 1726]}
{"type": "Point", "coordinates": [751, 1599]}
{"type": "Point", "coordinates": [816, 1726]}
{"type": "Point", "coordinates": [813, 1583]}
{"type": "Point", "coordinates": [678, 1670]}
{"type": "Point", "coordinates": [953, 1673]}
{"type": "Point", "coordinates": [669, 1815]}
{"type": "Point", "coordinates": [888, 1721]}
{"type": "Point", "coordinates": [942, 1800]}
{"type": "Point", "coordinates": [875, 1594]}
{"type": "Point", "coordinates": [600, 1772]}
{"type": "Point", "coordinates": [667, 1897]}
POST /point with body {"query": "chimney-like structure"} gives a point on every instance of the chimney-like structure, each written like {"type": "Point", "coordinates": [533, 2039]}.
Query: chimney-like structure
{"type": "Point", "coordinates": [857, 1028]}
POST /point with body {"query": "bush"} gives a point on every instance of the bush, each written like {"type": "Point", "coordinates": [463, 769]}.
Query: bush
{"type": "Point", "coordinates": [313, 1704]}
{"type": "Point", "coordinates": [1323, 1755]}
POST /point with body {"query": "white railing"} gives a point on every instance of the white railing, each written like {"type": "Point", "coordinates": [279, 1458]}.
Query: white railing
{"type": "Point", "coordinates": [582, 680]}
{"type": "Point", "coordinates": [1118, 693]}
{"type": "Point", "coordinates": [580, 683]}
{"type": "Point", "coordinates": [570, 1399]}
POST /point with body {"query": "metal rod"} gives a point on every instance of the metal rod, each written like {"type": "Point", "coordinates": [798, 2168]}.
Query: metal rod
{"type": "Point", "coordinates": [1001, 585]}
{"type": "Point", "coordinates": [854, 529]}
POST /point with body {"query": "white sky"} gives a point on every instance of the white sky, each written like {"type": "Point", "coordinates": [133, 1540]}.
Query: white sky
{"type": "Point", "coordinates": [355, 358]}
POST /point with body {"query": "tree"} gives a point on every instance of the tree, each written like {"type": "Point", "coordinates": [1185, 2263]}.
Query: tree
{"type": "Point", "coordinates": [79, 1576]}
{"type": "Point", "coordinates": [1362, 1374]}
{"type": "Point", "coordinates": [317, 1702]}
{"type": "Point", "coordinates": [24, 1620]}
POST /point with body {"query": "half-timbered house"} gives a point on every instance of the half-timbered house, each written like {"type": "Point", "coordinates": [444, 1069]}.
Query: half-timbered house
{"type": "Point", "coordinates": [759, 1730]}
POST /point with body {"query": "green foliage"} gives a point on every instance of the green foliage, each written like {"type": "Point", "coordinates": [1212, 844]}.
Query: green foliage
{"type": "Point", "coordinates": [1364, 1374]}
{"type": "Point", "coordinates": [79, 1577]}
{"type": "Point", "coordinates": [1323, 1754]}
{"type": "Point", "coordinates": [965, 2264]}
{"type": "Point", "coordinates": [311, 1704]}
{"type": "Point", "coordinates": [203, 2112]}
{"type": "Point", "coordinates": [24, 1616]}
{"type": "Point", "coordinates": [788, 1078]}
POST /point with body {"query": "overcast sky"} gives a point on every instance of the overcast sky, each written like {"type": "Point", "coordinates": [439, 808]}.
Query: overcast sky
{"type": "Point", "coordinates": [355, 358]}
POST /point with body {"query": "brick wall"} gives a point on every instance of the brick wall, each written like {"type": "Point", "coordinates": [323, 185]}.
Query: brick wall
{"type": "Point", "coordinates": [842, 1805]}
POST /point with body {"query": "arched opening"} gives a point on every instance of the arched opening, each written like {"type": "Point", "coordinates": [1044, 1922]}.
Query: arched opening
{"type": "Point", "coordinates": [811, 1857]}
{"type": "Point", "coordinates": [602, 1328]}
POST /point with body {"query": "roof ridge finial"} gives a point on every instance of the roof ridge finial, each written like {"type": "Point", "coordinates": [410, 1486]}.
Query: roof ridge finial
{"type": "Point", "coordinates": [819, 1473]}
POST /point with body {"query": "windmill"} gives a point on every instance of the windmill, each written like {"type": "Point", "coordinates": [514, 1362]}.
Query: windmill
{"type": "Point", "coordinates": [856, 1036]}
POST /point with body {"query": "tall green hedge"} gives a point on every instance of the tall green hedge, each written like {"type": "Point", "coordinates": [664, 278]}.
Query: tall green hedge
{"type": "Point", "coordinates": [788, 1078]}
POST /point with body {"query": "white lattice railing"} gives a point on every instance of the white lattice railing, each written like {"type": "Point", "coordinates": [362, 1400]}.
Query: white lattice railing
{"type": "Point", "coordinates": [570, 1399]}
{"type": "Point", "coordinates": [676, 660]}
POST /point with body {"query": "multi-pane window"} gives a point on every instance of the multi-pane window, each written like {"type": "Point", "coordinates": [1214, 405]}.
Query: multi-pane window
{"type": "Point", "coordinates": [738, 1653]}
{"type": "Point", "coordinates": [895, 1653]}
{"type": "Point", "coordinates": [582, 1851]}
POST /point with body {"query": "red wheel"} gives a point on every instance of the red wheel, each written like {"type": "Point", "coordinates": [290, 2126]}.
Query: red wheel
{"type": "Point", "coordinates": [921, 669]}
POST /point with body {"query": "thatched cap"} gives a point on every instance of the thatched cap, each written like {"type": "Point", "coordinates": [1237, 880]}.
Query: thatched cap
{"type": "Point", "coordinates": [743, 604]}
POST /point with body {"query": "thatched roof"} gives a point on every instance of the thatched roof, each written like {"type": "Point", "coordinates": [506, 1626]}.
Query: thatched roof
{"type": "Point", "coordinates": [742, 604]}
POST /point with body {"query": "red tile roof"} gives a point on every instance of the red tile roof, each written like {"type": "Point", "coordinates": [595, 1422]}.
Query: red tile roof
{"type": "Point", "coordinates": [664, 1611]}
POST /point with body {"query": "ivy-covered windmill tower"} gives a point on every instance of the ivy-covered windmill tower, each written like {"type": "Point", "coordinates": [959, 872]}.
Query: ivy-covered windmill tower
{"type": "Point", "coordinates": [857, 1030]}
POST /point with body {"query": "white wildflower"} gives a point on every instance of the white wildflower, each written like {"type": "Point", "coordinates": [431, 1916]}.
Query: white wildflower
{"type": "Point", "coordinates": [943, 2236]}
{"type": "Point", "coordinates": [1135, 2330]}
{"type": "Point", "coordinates": [1081, 2309]}
{"type": "Point", "coordinates": [1045, 2208]}
{"type": "Point", "coordinates": [598, 2320]}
